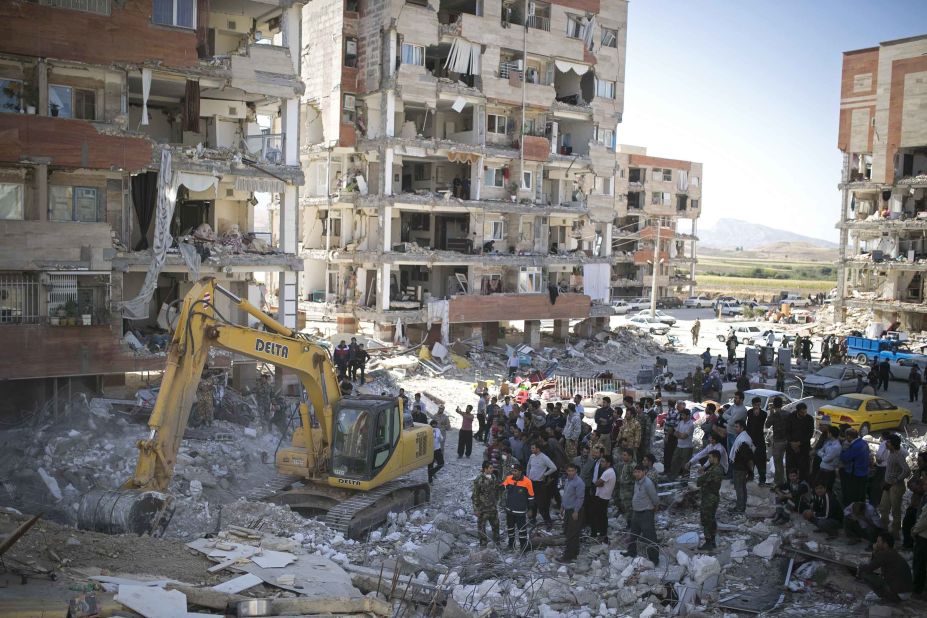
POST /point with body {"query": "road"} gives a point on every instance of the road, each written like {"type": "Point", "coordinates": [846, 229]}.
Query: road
{"type": "Point", "coordinates": [711, 327]}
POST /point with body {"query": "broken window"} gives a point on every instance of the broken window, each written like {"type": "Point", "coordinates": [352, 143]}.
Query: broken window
{"type": "Point", "coordinates": [636, 174]}
{"type": "Point", "coordinates": [74, 204]}
{"type": "Point", "coordinates": [11, 201]}
{"type": "Point", "coordinates": [609, 38]}
{"type": "Point", "coordinates": [11, 95]}
{"type": "Point", "coordinates": [350, 52]}
{"type": "Point", "coordinates": [914, 288]}
{"type": "Point", "coordinates": [574, 29]}
{"type": "Point", "coordinates": [68, 102]}
{"type": "Point", "coordinates": [605, 137]}
{"type": "Point", "coordinates": [681, 202]}
{"type": "Point", "coordinates": [667, 175]}
{"type": "Point", "coordinates": [348, 108]}
{"type": "Point", "coordinates": [180, 13]}
{"type": "Point", "coordinates": [413, 54]}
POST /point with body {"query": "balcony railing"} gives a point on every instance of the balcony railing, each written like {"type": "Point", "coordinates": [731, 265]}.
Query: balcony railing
{"type": "Point", "coordinates": [268, 147]}
{"type": "Point", "coordinates": [539, 22]}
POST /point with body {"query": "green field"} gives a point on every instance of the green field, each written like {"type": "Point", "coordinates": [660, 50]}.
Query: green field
{"type": "Point", "coordinates": [732, 285]}
{"type": "Point", "coordinates": [736, 267]}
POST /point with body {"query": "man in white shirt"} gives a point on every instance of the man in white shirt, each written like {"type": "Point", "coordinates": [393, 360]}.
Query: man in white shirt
{"type": "Point", "coordinates": [701, 457]}
{"type": "Point", "coordinates": [683, 452]}
{"type": "Point", "coordinates": [438, 462]}
{"type": "Point", "coordinates": [577, 402]}
{"type": "Point", "coordinates": [542, 472]}
{"type": "Point", "coordinates": [602, 495]}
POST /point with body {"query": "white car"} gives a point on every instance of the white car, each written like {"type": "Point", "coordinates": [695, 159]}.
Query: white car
{"type": "Point", "coordinates": [619, 307]}
{"type": "Point", "coordinates": [647, 324]}
{"type": "Point", "coordinates": [636, 304]}
{"type": "Point", "coordinates": [731, 309]}
{"type": "Point", "coordinates": [746, 334]}
{"type": "Point", "coordinates": [698, 302]}
{"type": "Point", "coordinates": [660, 316]}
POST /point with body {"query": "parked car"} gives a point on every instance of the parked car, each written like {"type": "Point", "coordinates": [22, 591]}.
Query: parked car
{"type": "Point", "coordinates": [730, 309]}
{"type": "Point", "coordinates": [698, 302]}
{"type": "Point", "coordinates": [796, 300]}
{"type": "Point", "coordinates": [780, 340]}
{"type": "Point", "coordinates": [833, 380]}
{"type": "Point", "coordinates": [636, 304]}
{"type": "Point", "coordinates": [697, 410]}
{"type": "Point", "coordinates": [669, 302]}
{"type": "Point", "coordinates": [659, 315]}
{"type": "Point", "coordinates": [746, 334]}
{"type": "Point", "coordinates": [647, 324]}
{"type": "Point", "coordinates": [900, 369]}
{"type": "Point", "coordinates": [866, 413]}
{"type": "Point", "coordinates": [620, 307]}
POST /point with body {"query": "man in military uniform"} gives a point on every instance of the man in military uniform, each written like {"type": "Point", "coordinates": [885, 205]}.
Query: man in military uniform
{"type": "Point", "coordinates": [709, 484]}
{"type": "Point", "coordinates": [624, 487]}
{"type": "Point", "coordinates": [485, 503]}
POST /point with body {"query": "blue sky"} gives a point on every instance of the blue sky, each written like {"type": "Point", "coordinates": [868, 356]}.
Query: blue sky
{"type": "Point", "coordinates": [751, 88]}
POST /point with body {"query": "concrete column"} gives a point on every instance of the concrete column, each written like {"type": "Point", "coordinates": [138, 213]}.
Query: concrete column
{"type": "Point", "coordinates": [290, 26]}
{"type": "Point", "coordinates": [290, 123]}
{"type": "Point", "coordinates": [346, 323]}
{"type": "Point", "coordinates": [386, 228]}
{"type": "Point", "coordinates": [476, 178]}
{"type": "Point", "coordinates": [561, 330]}
{"type": "Point", "coordinates": [41, 192]}
{"type": "Point", "coordinates": [253, 294]}
{"type": "Point", "coordinates": [383, 289]}
{"type": "Point", "coordinates": [389, 123]}
{"type": "Point", "coordinates": [607, 239]}
{"type": "Point", "coordinates": [533, 333]}
{"type": "Point", "coordinates": [288, 285]}
{"type": "Point", "coordinates": [490, 333]}
{"type": "Point", "coordinates": [41, 72]}
{"type": "Point", "coordinates": [388, 171]}
{"type": "Point", "coordinates": [384, 331]}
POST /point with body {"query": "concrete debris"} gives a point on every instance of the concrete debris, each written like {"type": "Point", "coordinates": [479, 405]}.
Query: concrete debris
{"type": "Point", "coordinates": [768, 548]}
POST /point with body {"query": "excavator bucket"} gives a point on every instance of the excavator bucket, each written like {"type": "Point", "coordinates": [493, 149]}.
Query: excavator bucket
{"type": "Point", "coordinates": [123, 511]}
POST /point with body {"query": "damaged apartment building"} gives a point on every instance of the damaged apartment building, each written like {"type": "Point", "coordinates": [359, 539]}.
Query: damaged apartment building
{"type": "Point", "coordinates": [461, 165]}
{"type": "Point", "coordinates": [883, 223]}
{"type": "Point", "coordinates": [136, 139]}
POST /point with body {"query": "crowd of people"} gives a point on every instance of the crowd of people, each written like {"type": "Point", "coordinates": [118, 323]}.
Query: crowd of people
{"type": "Point", "coordinates": [544, 462]}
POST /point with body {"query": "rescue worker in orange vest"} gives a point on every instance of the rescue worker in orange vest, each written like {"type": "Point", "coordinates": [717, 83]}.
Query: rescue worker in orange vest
{"type": "Point", "coordinates": [519, 500]}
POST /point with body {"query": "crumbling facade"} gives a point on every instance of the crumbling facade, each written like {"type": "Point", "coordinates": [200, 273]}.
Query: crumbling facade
{"type": "Point", "coordinates": [136, 138]}
{"type": "Point", "coordinates": [421, 187]}
{"type": "Point", "coordinates": [883, 222]}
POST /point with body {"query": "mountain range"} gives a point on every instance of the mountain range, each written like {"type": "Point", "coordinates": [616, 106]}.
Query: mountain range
{"type": "Point", "coordinates": [733, 233]}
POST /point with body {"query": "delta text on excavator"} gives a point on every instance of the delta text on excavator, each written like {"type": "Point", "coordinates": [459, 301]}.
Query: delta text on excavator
{"type": "Point", "coordinates": [350, 459]}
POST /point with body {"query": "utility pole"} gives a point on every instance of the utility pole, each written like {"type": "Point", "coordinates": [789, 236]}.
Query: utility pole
{"type": "Point", "coordinates": [524, 75]}
{"type": "Point", "coordinates": [653, 279]}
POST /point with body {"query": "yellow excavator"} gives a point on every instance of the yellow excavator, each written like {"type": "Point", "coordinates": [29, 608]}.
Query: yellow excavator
{"type": "Point", "coordinates": [351, 458]}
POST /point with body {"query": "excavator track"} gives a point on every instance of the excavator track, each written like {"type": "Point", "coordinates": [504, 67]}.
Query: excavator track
{"type": "Point", "coordinates": [365, 510]}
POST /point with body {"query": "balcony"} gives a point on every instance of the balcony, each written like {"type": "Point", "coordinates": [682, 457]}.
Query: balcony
{"type": "Point", "coordinates": [266, 147]}
{"type": "Point", "coordinates": [41, 245]}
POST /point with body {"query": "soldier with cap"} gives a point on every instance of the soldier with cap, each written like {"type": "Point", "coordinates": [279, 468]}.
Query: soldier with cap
{"type": "Point", "coordinates": [709, 484]}
{"type": "Point", "coordinates": [485, 500]}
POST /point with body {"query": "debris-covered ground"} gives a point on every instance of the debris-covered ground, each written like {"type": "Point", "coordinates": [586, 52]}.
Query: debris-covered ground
{"type": "Point", "coordinates": [221, 546]}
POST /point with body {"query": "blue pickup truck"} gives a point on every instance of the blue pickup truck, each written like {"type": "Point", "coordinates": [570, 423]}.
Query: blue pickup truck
{"type": "Point", "coordinates": [866, 350]}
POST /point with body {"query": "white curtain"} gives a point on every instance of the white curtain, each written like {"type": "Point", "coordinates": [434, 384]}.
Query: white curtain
{"type": "Point", "coordinates": [589, 30]}
{"type": "Point", "coordinates": [146, 89]}
{"type": "Point", "coordinates": [596, 280]}
{"type": "Point", "coordinates": [682, 180]}
{"type": "Point", "coordinates": [138, 307]}
{"type": "Point", "coordinates": [565, 66]}
{"type": "Point", "coordinates": [197, 182]}
{"type": "Point", "coordinates": [464, 57]}
{"type": "Point", "coordinates": [438, 311]}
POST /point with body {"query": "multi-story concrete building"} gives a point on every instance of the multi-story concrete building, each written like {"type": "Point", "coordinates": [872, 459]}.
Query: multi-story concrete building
{"type": "Point", "coordinates": [883, 219]}
{"type": "Point", "coordinates": [466, 150]}
{"type": "Point", "coordinates": [125, 126]}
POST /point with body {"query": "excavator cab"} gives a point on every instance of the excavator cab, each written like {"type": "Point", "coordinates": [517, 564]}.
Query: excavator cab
{"type": "Point", "coordinates": [365, 436]}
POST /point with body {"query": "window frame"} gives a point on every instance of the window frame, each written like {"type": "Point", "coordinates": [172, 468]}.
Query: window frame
{"type": "Point", "coordinates": [174, 24]}
{"type": "Point", "coordinates": [614, 35]}
{"type": "Point", "coordinates": [502, 230]}
{"type": "Point", "coordinates": [21, 190]}
{"type": "Point", "coordinates": [491, 125]}
{"type": "Point", "coordinates": [667, 175]}
{"type": "Point", "coordinates": [528, 180]}
{"type": "Point", "coordinates": [611, 86]}
{"type": "Point", "coordinates": [348, 114]}
{"type": "Point", "coordinates": [414, 47]}
{"type": "Point", "coordinates": [75, 191]}
{"type": "Point", "coordinates": [496, 172]}
{"type": "Point", "coordinates": [347, 41]}
{"type": "Point", "coordinates": [571, 20]}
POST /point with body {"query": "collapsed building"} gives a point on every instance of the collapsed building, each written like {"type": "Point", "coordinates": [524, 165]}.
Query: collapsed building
{"type": "Point", "coordinates": [883, 223]}
{"type": "Point", "coordinates": [424, 200]}
{"type": "Point", "coordinates": [136, 139]}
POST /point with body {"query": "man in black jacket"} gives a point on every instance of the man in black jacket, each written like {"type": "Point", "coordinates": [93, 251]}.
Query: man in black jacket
{"type": "Point", "coordinates": [799, 429]}
{"type": "Point", "coordinates": [824, 511]}
{"type": "Point", "coordinates": [756, 429]}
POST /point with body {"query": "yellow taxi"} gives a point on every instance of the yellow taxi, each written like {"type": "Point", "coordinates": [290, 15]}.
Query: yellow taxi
{"type": "Point", "coordinates": [865, 413]}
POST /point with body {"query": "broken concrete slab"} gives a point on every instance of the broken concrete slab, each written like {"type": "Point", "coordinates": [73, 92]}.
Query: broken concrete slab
{"type": "Point", "coordinates": [153, 602]}
{"type": "Point", "coordinates": [238, 584]}
{"type": "Point", "coordinates": [269, 559]}
{"type": "Point", "coordinates": [768, 548]}
{"type": "Point", "coordinates": [312, 576]}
